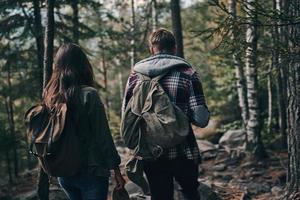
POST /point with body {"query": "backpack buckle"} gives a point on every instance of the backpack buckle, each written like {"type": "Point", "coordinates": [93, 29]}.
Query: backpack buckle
{"type": "Point", "coordinates": [157, 151]}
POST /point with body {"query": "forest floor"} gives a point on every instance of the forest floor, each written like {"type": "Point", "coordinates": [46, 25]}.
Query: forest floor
{"type": "Point", "coordinates": [225, 170]}
{"type": "Point", "coordinates": [233, 180]}
{"type": "Point", "coordinates": [243, 179]}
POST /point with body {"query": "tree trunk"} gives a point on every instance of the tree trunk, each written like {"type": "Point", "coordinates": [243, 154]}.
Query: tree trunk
{"type": "Point", "coordinates": [38, 34]}
{"type": "Point", "coordinates": [239, 70]}
{"type": "Point", "coordinates": [270, 100]}
{"type": "Point", "coordinates": [154, 15]}
{"type": "Point", "coordinates": [43, 182]}
{"type": "Point", "coordinates": [121, 86]}
{"type": "Point", "coordinates": [293, 177]}
{"type": "Point", "coordinates": [177, 28]}
{"type": "Point", "coordinates": [11, 122]}
{"type": "Point", "coordinates": [132, 43]}
{"type": "Point", "coordinates": [75, 20]}
{"type": "Point", "coordinates": [8, 163]}
{"type": "Point", "coordinates": [105, 87]}
{"type": "Point", "coordinates": [254, 142]}
{"type": "Point", "coordinates": [279, 38]}
{"type": "Point", "coordinates": [49, 37]}
{"type": "Point", "coordinates": [293, 92]}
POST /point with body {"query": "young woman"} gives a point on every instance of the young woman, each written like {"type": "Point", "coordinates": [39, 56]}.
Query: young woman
{"type": "Point", "coordinates": [72, 83]}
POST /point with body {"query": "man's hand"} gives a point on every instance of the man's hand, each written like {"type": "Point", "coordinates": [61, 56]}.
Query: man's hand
{"type": "Point", "coordinates": [119, 179]}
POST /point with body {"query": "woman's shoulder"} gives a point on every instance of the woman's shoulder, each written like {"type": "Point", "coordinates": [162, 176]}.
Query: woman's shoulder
{"type": "Point", "coordinates": [89, 94]}
{"type": "Point", "coordinates": [88, 89]}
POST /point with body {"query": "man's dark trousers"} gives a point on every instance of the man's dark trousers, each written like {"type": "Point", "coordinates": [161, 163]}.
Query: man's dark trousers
{"type": "Point", "coordinates": [162, 172]}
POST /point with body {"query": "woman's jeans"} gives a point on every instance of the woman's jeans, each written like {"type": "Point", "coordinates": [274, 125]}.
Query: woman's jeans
{"type": "Point", "coordinates": [85, 186]}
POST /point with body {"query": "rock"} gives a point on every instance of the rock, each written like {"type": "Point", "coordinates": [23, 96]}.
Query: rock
{"type": "Point", "coordinates": [32, 195]}
{"type": "Point", "coordinates": [275, 144]}
{"type": "Point", "coordinates": [233, 139]}
{"type": "Point", "coordinates": [258, 188]}
{"type": "Point", "coordinates": [224, 176]}
{"type": "Point", "coordinates": [255, 172]}
{"type": "Point", "coordinates": [282, 177]}
{"type": "Point", "coordinates": [207, 149]}
{"type": "Point", "coordinates": [215, 138]}
{"type": "Point", "coordinates": [248, 164]}
{"type": "Point", "coordinates": [205, 146]}
{"type": "Point", "coordinates": [57, 194]}
{"type": "Point", "coordinates": [220, 167]}
{"type": "Point", "coordinates": [206, 181]}
{"type": "Point", "coordinates": [207, 193]}
{"type": "Point", "coordinates": [276, 191]}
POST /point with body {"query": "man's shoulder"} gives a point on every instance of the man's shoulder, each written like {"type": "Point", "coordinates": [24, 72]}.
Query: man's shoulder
{"type": "Point", "coordinates": [186, 71]}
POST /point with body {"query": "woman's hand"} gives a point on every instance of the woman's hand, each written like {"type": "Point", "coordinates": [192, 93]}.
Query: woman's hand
{"type": "Point", "coordinates": [119, 179]}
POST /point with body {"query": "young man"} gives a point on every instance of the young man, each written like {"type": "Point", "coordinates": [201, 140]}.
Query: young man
{"type": "Point", "coordinates": [184, 89]}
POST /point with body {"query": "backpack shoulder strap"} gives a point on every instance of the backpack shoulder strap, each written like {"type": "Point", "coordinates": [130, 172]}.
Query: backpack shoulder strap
{"type": "Point", "coordinates": [143, 77]}
{"type": "Point", "coordinates": [159, 77]}
{"type": "Point", "coordinates": [155, 78]}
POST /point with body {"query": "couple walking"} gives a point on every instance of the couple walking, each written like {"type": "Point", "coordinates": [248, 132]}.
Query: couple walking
{"type": "Point", "coordinates": [71, 84]}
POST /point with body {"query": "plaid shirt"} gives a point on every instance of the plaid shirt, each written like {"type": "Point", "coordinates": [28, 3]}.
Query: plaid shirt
{"type": "Point", "coordinates": [185, 90]}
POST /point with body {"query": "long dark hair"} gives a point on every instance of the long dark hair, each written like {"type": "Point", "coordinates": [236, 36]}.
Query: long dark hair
{"type": "Point", "coordinates": [71, 69]}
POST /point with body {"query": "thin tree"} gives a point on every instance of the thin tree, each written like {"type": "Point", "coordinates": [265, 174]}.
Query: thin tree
{"type": "Point", "coordinates": [11, 122]}
{"type": "Point", "coordinates": [279, 39]}
{"type": "Point", "coordinates": [8, 163]}
{"type": "Point", "coordinates": [75, 21]}
{"type": "Point", "coordinates": [43, 182]}
{"type": "Point", "coordinates": [254, 141]}
{"type": "Point", "coordinates": [104, 69]}
{"type": "Point", "coordinates": [133, 32]}
{"type": "Point", "coordinates": [270, 98]}
{"type": "Point", "coordinates": [154, 14]}
{"type": "Point", "coordinates": [49, 37]}
{"type": "Point", "coordinates": [177, 28]}
{"type": "Point", "coordinates": [239, 70]}
{"type": "Point", "coordinates": [38, 34]}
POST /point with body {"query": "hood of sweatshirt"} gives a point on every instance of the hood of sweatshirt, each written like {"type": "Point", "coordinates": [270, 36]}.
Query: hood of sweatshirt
{"type": "Point", "coordinates": [158, 64]}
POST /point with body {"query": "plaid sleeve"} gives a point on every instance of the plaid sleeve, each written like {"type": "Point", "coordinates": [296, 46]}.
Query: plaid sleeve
{"type": "Point", "coordinates": [197, 105]}
{"type": "Point", "coordinates": [196, 92]}
{"type": "Point", "coordinates": [131, 83]}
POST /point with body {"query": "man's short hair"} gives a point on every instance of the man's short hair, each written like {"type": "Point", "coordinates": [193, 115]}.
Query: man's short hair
{"type": "Point", "coordinates": [162, 39]}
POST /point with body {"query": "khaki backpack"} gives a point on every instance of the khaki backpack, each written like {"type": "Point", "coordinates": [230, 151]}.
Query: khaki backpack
{"type": "Point", "coordinates": [53, 139]}
{"type": "Point", "coordinates": [151, 122]}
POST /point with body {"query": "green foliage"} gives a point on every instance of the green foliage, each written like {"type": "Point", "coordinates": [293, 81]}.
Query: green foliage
{"type": "Point", "coordinates": [213, 64]}
{"type": "Point", "coordinates": [105, 32]}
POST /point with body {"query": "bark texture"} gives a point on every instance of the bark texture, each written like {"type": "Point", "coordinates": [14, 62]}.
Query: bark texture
{"type": "Point", "coordinates": [239, 70]}
{"type": "Point", "coordinates": [270, 100]}
{"type": "Point", "coordinates": [132, 43]}
{"type": "Point", "coordinates": [154, 14]}
{"type": "Point", "coordinates": [254, 142]}
{"type": "Point", "coordinates": [177, 28]}
{"type": "Point", "coordinates": [11, 122]}
{"type": "Point", "coordinates": [39, 39]}
{"type": "Point", "coordinates": [75, 21]}
{"type": "Point", "coordinates": [279, 39]}
{"type": "Point", "coordinates": [43, 181]}
{"type": "Point", "coordinates": [293, 92]}
{"type": "Point", "coordinates": [48, 42]}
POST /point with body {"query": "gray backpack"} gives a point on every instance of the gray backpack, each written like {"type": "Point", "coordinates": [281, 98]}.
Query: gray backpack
{"type": "Point", "coordinates": [151, 122]}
